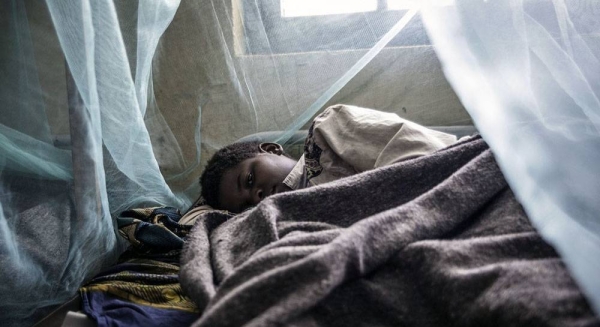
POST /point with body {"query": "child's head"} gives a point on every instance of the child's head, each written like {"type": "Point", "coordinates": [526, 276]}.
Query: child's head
{"type": "Point", "coordinates": [241, 175]}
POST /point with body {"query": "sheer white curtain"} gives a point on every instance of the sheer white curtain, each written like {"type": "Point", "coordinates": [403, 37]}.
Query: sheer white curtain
{"type": "Point", "coordinates": [59, 194]}
{"type": "Point", "coordinates": [528, 72]}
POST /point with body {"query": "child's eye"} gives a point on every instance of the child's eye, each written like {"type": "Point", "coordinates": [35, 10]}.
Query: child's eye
{"type": "Point", "coordinates": [250, 179]}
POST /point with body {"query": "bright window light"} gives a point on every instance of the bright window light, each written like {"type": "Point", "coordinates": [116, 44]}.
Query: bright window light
{"type": "Point", "coordinates": [409, 4]}
{"type": "Point", "coordinates": [297, 8]}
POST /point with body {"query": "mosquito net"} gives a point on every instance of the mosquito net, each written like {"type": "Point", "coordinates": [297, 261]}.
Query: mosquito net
{"type": "Point", "coordinates": [109, 105]}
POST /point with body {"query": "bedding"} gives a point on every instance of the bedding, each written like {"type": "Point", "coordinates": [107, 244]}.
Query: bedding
{"type": "Point", "coordinates": [138, 292]}
{"type": "Point", "coordinates": [435, 241]}
{"type": "Point", "coordinates": [143, 288]}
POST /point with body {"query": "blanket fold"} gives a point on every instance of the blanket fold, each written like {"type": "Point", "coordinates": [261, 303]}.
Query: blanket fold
{"type": "Point", "coordinates": [435, 241]}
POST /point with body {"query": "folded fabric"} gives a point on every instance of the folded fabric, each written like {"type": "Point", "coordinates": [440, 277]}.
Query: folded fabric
{"type": "Point", "coordinates": [138, 292]}
{"type": "Point", "coordinates": [143, 288]}
{"type": "Point", "coordinates": [153, 229]}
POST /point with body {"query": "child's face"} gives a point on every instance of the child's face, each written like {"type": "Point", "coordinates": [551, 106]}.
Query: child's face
{"type": "Point", "coordinates": [252, 180]}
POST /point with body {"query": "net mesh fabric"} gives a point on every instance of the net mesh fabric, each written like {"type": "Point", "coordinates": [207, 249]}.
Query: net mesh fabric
{"type": "Point", "coordinates": [108, 106]}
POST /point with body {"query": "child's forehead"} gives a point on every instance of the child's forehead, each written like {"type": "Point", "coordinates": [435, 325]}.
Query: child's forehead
{"type": "Point", "coordinates": [244, 164]}
{"type": "Point", "coordinates": [259, 157]}
{"type": "Point", "coordinates": [265, 160]}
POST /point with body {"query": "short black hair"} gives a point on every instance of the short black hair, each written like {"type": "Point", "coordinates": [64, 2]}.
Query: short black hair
{"type": "Point", "coordinates": [226, 158]}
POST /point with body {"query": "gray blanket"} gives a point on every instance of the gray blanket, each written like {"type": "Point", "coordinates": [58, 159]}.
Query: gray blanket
{"type": "Point", "coordinates": [435, 241]}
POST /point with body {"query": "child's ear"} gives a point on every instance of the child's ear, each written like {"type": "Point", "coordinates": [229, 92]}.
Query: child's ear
{"type": "Point", "coordinates": [268, 147]}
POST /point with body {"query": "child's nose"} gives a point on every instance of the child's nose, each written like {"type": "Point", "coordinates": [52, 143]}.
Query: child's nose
{"type": "Point", "coordinates": [259, 195]}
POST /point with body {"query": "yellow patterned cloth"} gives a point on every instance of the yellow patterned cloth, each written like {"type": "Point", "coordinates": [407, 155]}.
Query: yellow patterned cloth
{"type": "Point", "coordinates": [143, 288]}
{"type": "Point", "coordinates": [144, 281]}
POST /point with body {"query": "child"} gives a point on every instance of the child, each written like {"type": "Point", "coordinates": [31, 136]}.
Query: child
{"type": "Point", "coordinates": [342, 141]}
